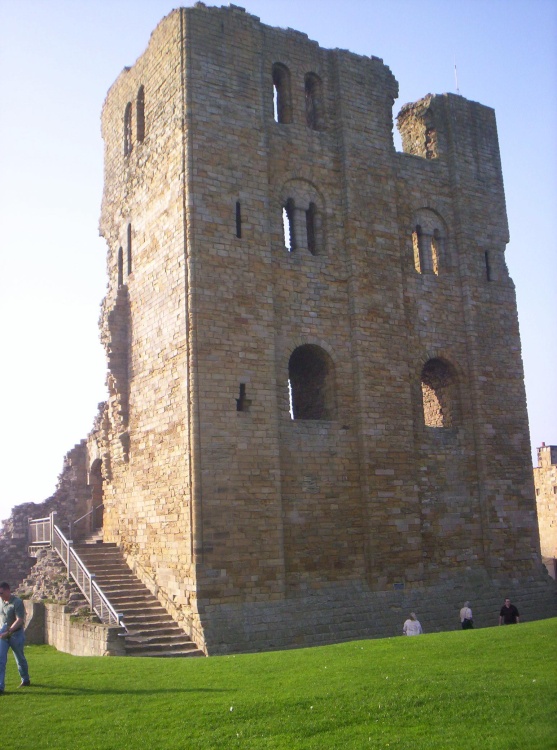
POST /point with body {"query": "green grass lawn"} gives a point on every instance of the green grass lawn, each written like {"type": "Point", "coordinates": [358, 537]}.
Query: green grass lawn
{"type": "Point", "coordinates": [489, 688]}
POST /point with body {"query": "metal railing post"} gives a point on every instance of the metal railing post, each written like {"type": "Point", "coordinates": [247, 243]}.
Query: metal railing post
{"type": "Point", "coordinates": [68, 555]}
{"type": "Point", "coordinates": [52, 515]}
{"type": "Point", "coordinates": [91, 576]}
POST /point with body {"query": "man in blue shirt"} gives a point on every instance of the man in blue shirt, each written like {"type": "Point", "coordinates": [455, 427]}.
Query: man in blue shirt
{"type": "Point", "coordinates": [12, 619]}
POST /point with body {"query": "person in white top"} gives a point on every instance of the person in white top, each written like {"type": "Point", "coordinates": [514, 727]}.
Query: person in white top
{"type": "Point", "coordinates": [412, 626]}
{"type": "Point", "coordinates": [466, 617]}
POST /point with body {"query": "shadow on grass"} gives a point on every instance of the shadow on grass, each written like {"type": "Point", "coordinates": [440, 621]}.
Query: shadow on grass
{"type": "Point", "coordinates": [51, 690]}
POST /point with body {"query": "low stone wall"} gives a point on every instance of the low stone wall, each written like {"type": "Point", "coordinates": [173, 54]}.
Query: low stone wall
{"type": "Point", "coordinates": [351, 611]}
{"type": "Point", "coordinates": [51, 624]}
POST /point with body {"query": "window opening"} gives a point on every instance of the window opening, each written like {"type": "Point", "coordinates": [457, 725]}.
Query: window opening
{"type": "Point", "coordinates": [439, 394]}
{"type": "Point", "coordinates": [242, 403]}
{"type": "Point", "coordinates": [282, 107]}
{"type": "Point", "coordinates": [288, 225]}
{"type": "Point", "coordinates": [435, 251]}
{"type": "Point", "coordinates": [238, 220]}
{"type": "Point", "coordinates": [140, 114]}
{"type": "Point", "coordinates": [487, 265]}
{"type": "Point", "coordinates": [129, 249]}
{"type": "Point", "coordinates": [311, 229]}
{"type": "Point", "coordinates": [417, 247]}
{"type": "Point", "coordinates": [311, 384]}
{"type": "Point", "coordinates": [120, 267]}
{"type": "Point", "coordinates": [314, 102]}
{"type": "Point", "coordinates": [128, 129]}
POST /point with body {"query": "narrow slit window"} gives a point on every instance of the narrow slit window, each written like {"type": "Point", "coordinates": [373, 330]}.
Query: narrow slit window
{"type": "Point", "coordinates": [128, 129]}
{"type": "Point", "coordinates": [487, 265]}
{"type": "Point", "coordinates": [238, 219]}
{"type": "Point", "coordinates": [120, 267]}
{"type": "Point", "coordinates": [311, 217]}
{"type": "Point", "coordinates": [241, 402]}
{"type": "Point", "coordinates": [129, 249]}
{"type": "Point", "coordinates": [417, 248]}
{"type": "Point", "coordinates": [140, 114]}
{"type": "Point", "coordinates": [435, 251]}
{"type": "Point", "coordinates": [288, 225]}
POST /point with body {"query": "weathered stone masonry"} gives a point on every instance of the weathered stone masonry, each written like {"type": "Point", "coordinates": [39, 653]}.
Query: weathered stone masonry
{"type": "Point", "coordinates": [545, 481]}
{"type": "Point", "coordinates": [317, 415]}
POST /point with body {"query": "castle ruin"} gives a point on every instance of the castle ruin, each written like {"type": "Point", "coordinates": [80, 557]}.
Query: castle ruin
{"type": "Point", "coordinates": [317, 417]}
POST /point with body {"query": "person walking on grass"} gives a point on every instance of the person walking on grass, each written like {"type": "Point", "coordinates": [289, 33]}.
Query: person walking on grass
{"type": "Point", "coordinates": [412, 626]}
{"type": "Point", "coordinates": [509, 614]}
{"type": "Point", "coordinates": [12, 619]}
{"type": "Point", "coordinates": [466, 617]}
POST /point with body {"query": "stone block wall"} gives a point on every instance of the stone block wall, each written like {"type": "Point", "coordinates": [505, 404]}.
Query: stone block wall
{"type": "Point", "coordinates": [81, 638]}
{"type": "Point", "coordinates": [545, 480]}
{"type": "Point", "coordinates": [314, 359]}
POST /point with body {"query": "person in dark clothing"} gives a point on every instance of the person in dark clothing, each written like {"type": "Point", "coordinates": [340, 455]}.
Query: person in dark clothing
{"type": "Point", "coordinates": [509, 614]}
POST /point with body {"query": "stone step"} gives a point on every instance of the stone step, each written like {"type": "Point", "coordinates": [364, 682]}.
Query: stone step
{"type": "Point", "coordinates": [173, 654]}
{"type": "Point", "coordinates": [151, 631]}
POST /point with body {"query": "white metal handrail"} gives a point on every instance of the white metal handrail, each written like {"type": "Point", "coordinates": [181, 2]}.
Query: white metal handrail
{"type": "Point", "coordinates": [41, 532]}
{"type": "Point", "coordinates": [90, 516]}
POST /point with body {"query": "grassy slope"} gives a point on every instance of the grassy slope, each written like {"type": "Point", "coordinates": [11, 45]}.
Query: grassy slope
{"type": "Point", "coordinates": [490, 688]}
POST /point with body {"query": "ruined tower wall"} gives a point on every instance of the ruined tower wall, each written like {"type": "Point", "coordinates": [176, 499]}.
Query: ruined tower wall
{"type": "Point", "coordinates": [147, 488]}
{"type": "Point", "coordinates": [398, 479]}
{"type": "Point", "coordinates": [545, 480]}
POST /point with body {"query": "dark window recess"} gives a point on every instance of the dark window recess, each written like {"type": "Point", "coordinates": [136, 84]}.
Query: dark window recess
{"type": "Point", "coordinates": [310, 226]}
{"type": "Point", "coordinates": [439, 394]}
{"type": "Point", "coordinates": [128, 129]}
{"type": "Point", "coordinates": [282, 106]}
{"type": "Point", "coordinates": [242, 402]}
{"type": "Point", "coordinates": [238, 219]}
{"type": "Point", "coordinates": [140, 114]}
{"type": "Point", "coordinates": [120, 267]}
{"type": "Point", "coordinates": [314, 102]}
{"type": "Point", "coordinates": [288, 225]}
{"type": "Point", "coordinates": [487, 266]}
{"type": "Point", "coordinates": [311, 383]}
{"type": "Point", "coordinates": [129, 249]}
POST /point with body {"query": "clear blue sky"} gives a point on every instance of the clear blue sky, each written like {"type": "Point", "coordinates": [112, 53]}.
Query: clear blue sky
{"type": "Point", "coordinates": [57, 60]}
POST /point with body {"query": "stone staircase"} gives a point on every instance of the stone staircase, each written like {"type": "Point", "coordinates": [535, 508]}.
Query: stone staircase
{"type": "Point", "coordinates": [151, 631]}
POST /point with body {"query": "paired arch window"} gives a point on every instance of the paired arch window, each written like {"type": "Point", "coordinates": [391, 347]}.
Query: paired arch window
{"type": "Point", "coordinates": [282, 98]}
{"type": "Point", "coordinates": [311, 383]}
{"type": "Point", "coordinates": [303, 218]}
{"type": "Point", "coordinates": [439, 394]}
{"type": "Point", "coordinates": [429, 240]}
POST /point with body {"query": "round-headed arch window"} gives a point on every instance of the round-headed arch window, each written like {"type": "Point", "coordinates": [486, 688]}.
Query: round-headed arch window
{"type": "Point", "coordinates": [311, 383]}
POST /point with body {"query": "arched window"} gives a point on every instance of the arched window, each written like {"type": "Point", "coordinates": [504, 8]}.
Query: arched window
{"type": "Point", "coordinates": [282, 101]}
{"type": "Point", "coordinates": [128, 129]}
{"type": "Point", "coordinates": [314, 102]}
{"type": "Point", "coordinates": [311, 226]}
{"type": "Point", "coordinates": [140, 114]}
{"type": "Point", "coordinates": [439, 394]}
{"type": "Point", "coordinates": [120, 267]}
{"type": "Point", "coordinates": [311, 383]}
{"type": "Point", "coordinates": [288, 225]}
{"type": "Point", "coordinates": [129, 249]}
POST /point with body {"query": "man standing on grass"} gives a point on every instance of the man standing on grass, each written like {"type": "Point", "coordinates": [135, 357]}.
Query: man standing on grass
{"type": "Point", "coordinates": [12, 619]}
{"type": "Point", "coordinates": [509, 614]}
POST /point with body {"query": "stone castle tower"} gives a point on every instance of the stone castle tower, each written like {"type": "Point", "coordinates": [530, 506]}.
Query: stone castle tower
{"type": "Point", "coordinates": [317, 416]}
